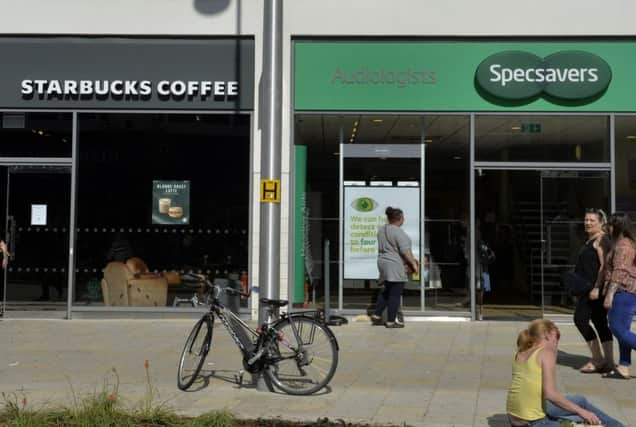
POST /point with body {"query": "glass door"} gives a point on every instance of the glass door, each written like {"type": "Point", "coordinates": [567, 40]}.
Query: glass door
{"type": "Point", "coordinates": [565, 195]}
{"type": "Point", "coordinates": [35, 214]}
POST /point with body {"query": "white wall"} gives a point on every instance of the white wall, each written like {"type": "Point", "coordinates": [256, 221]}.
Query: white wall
{"type": "Point", "coordinates": [460, 17]}
{"type": "Point", "coordinates": [130, 17]}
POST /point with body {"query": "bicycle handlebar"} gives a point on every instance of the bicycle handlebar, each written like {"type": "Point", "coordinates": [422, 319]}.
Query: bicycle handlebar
{"type": "Point", "coordinates": [202, 278]}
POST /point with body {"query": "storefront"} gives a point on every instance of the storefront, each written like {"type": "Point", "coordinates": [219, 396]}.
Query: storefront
{"type": "Point", "coordinates": [505, 142]}
{"type": "Point", "coordinates": [112, 148]}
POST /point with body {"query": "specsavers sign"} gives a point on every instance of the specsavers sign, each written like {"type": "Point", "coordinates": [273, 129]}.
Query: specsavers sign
{"type": "Point", "coordinates": [364, 212]}
{"type": "Point", "coordinates": [568, 75]}
{"type": "Point", "coordinates": [465, 76]}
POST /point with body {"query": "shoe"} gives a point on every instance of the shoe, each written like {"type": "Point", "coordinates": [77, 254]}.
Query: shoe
{"type": "Point", "coordinates": [592, 368]}
{"type": "Point", "coordinates": [376, 320]}
{"type": "Point", "coordinates": [619, 372]}
{"type": "Point", "coordinates": [392, 325]}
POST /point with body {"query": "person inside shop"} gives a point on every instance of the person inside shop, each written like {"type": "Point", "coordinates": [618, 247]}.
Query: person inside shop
{"type": "Point", "coordinates": [533, 398]}
{"type": "Point", "coordinates": [395, 261]}
{"type": "Point", "coordinates": [5, 254]}
{"type": "Point", "coordinates": [120, 248]}
{"type": "Point", "coordinates": [620, 298]}
{"type": "Point", "coordinates": [589, 307]}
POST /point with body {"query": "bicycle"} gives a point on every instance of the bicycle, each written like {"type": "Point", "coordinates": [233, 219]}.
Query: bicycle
{"type": "Point", "coordinates": [296, 352]}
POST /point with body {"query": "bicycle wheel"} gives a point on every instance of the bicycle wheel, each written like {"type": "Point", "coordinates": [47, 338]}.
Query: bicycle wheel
{"type": "Point", "coordinates": [194, 352]}
{"type": "Point", "coordinates": [305, 367]}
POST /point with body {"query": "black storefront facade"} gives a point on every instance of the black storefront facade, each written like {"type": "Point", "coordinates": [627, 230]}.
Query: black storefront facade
{"type": "Point", "coordinates": [112, 148]}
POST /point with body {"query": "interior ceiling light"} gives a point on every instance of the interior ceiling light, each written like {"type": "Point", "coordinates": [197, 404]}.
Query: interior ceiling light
{"type": "Point", "coordinates": [631, 136]}
{"type": "Point", "coordinates": [428, 140]}
{"type": "Point", "coordinates": [516, 128]}
{"type": "Point", "coordinates": [457, 157]}
{"type": "Point", "coordinates": [377, 120]}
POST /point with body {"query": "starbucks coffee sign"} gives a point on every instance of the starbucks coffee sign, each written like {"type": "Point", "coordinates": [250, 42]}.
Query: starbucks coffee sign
{"type": "Point", "coordinates": [567, 75]}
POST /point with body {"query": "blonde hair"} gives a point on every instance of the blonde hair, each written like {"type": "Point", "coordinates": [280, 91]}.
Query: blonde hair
{"type": "Point", "coordinates": [534, 333]}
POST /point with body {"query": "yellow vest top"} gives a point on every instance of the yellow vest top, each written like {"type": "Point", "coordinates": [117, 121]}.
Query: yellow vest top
{"type": "Point", "coordinates": [525, 395]}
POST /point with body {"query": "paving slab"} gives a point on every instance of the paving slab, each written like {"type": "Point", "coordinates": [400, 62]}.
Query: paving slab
{"type": "Point", "coordinates": [427, 374]}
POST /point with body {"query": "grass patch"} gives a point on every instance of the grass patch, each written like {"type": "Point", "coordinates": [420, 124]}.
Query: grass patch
{"type": "Point", "coordinates": [105, 408]}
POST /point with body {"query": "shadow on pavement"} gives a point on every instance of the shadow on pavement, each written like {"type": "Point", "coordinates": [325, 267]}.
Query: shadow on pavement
{"type": "Point", "coordinates": [498, 420]}
{"type": "Point", "coordinates": [574, 361]}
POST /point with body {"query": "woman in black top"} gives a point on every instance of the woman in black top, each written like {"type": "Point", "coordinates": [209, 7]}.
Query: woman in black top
{"type": "Point", "coordinates": [590, 307]}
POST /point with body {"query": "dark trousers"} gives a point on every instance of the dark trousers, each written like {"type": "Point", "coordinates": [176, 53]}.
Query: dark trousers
{"type": "Point", "coordinates": [389, 298]}
{"type": "Point", "coordinates": [586, 310]}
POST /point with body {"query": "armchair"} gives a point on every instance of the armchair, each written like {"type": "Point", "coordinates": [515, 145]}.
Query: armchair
{"type": "Point", "coordinates": [131, 284]}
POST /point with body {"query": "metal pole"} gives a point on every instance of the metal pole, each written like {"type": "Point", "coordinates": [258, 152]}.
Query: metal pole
{"type": "Point", "coordinates": [325, 275]}
{"type": "Point", "coordinates": [269, 254]}
{"type": "Point", "coordinates": [271, 118]}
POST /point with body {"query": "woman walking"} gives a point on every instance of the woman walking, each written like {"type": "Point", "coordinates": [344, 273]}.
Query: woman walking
{"type": "Point", "coordinates": [394, 255]}
{"type": "Point", "coordinates": [620, 299]}
{"type": "Point", "coordinates": [589, 266]}
{"type": "Point", "coordinates": [533, 398]}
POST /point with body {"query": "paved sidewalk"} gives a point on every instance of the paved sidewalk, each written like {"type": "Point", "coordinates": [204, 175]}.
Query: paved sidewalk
{"type": "Point", "coordinates": [428, 374]}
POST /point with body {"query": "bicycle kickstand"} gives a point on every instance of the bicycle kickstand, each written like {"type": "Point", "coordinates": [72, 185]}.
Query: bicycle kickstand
{"type": "Point", "coordinates": [238, 377]}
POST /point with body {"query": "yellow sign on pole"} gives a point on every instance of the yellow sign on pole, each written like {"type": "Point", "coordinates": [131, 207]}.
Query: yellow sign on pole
{"type": "Point", "coordinates": [270, 190]}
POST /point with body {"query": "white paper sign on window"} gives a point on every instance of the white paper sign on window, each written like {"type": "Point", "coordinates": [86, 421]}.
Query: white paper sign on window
{"type": "Point", "coordinates": [38, 214]}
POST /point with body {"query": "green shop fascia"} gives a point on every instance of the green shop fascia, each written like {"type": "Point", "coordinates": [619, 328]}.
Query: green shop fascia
{"type": "Point", "coordinates": [462, 76]}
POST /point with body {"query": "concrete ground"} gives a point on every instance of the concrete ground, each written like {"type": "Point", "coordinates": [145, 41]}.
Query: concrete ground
{"type": "Point", "coordinates": [429, 374]}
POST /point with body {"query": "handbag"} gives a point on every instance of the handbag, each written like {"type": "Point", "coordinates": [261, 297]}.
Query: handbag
{"type": "Point", "coordinates": [575, 284]}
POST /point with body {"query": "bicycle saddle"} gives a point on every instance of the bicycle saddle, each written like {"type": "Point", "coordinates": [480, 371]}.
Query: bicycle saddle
{"type": "Point", "coordinates": [274, 302]}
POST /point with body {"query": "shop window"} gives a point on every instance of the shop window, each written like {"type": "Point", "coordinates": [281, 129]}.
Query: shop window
{"type": "Point", "coordinates": [35, 134]}
{"type": "Point", "coordinates": [539, 138]}
{"type": "Point", "coordinates": [445, 140]}
{"type": "Point", "coordinates": [625, 140]}
{"type": "Point", "coordinates": [169, 189]}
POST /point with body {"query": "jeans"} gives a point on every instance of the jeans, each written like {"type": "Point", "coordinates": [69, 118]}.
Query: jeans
{"type": "Point", "coordinates": [620, 320]}
{"type": "Point", "coordinates": [389, 298]}
{"type": "Point", "coordinates": [556, 412]}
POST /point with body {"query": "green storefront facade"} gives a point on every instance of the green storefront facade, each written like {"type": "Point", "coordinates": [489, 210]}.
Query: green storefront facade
{"type": "Point", "coordinates": [513, 112]}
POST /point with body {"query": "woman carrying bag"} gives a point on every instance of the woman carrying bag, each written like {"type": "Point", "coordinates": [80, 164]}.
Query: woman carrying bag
{"type": "Point", "coordinates": [395, 260]}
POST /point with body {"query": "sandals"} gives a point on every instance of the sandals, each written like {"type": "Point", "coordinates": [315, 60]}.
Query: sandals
{"type": "Point", "coordinates": [618, 373]}
{"type": "Point", "coordinates": [592, 368]}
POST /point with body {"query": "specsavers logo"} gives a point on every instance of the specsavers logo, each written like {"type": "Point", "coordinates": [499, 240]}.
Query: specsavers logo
{"type": "Point", "coordinates": [567, 75]}
{"type": "Point", "coordinates": [364, 204]}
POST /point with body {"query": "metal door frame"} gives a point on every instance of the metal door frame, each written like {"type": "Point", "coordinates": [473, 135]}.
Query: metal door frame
{"type": "Point", "coordinates": [370, 151]}
{"type": "Point", "coordinates": [50, 161]}
{"type": "Point", "coordinates": [539, 167]}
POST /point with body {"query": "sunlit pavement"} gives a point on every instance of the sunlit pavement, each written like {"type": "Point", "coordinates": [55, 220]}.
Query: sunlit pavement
{"type": "Point", "coordinates": [428, 374]}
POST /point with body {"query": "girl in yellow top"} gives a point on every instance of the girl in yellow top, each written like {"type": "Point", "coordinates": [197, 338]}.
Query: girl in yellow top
{"type": "Point", "coordinates": [533, 399]}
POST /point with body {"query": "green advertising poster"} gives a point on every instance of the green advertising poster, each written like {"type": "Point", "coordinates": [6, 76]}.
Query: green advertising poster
{"type": "Point", "coordinates": [171, 202]}
{"type": "Point", "coordinates": [586, 76]}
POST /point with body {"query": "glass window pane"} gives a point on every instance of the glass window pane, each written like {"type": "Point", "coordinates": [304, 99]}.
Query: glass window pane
{"type": "Point", "coordinates": [625, 137]}
{"type": "Point", "coordinates": [35, 134]}
{"type": "Point", "coordinates": [121, 155]}
{"type": "Point", "coordinates": [532, 138]}
{"type": "Point", "coordinates": [446, 181]}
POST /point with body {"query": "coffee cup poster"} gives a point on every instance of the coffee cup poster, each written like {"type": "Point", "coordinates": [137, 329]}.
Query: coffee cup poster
{"type": "Point", "coordinates": [171, 202]}
{"type": "Point", "coordinates": [363, 213]}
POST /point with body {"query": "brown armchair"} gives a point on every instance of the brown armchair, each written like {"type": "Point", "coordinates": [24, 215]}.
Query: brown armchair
{"type": "Point", "coordinates": [131, 284]}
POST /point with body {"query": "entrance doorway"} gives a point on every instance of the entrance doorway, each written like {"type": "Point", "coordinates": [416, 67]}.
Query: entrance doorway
{"type": "Point", "coordinates": [35, 214]}
{"type": "Point", "coordinates": [533, 221]}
